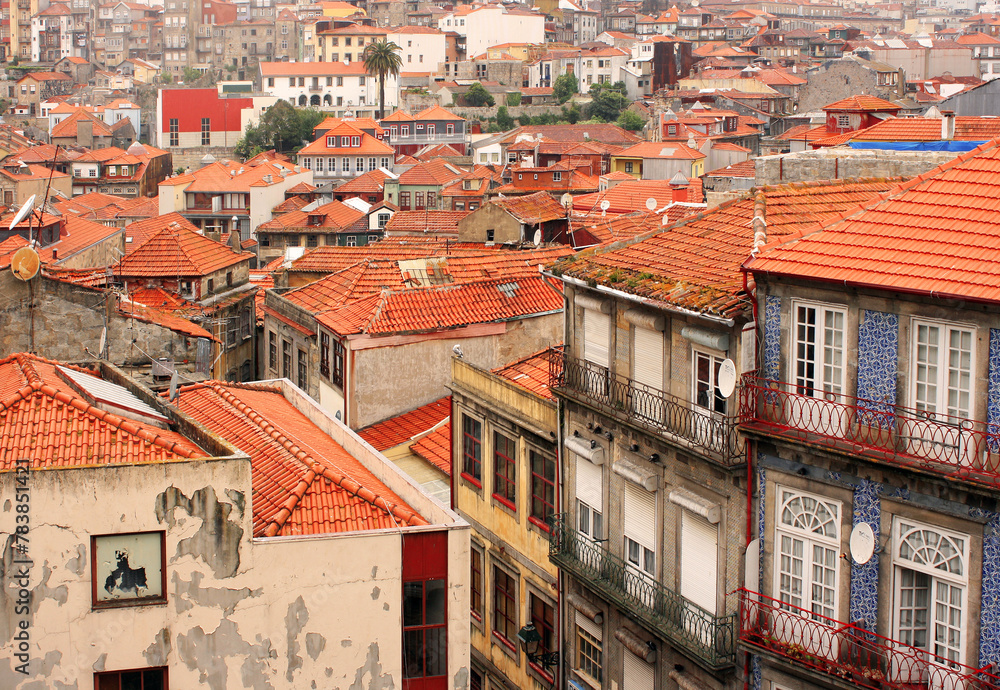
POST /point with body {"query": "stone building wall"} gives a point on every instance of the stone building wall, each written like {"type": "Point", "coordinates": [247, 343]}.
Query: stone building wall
{"type": "Point", "coordinates": [844, 163]}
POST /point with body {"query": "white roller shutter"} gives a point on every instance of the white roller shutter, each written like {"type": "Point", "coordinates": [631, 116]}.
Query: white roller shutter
{"type": "Point", "coordinates": [590, 626]}
{"type": "Point", "coordinates": [640, 516]}
{"type": "Point", "coordinates": [588, 484]}
{"type": "Point", "coordinates": [647, 358]}
{"type": "Point", "coordinates": [637, 675]}
{"type": "Point", "coordinates": [699, 560]}
{"type": "Point", "coordinates": [596, 337]}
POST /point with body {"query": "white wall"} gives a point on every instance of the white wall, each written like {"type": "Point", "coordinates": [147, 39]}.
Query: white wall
{"type": "Point", "coordinates": [421, 52]}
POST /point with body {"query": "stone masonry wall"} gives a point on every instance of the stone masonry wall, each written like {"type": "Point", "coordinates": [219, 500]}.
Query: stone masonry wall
{"type": "Point", "coordinates": [841, 164]}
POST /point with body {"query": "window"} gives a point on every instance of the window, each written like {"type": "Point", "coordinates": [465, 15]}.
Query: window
{"type": "Point", "coordinates": [302, 369]}
{"type": "Point", "coordinates": [404, 201]}
{"type": "Point", "coordinates": [383, 218]}
{"type": "Point", "coordinates": [337, 371]}
{"type": "Point", "coordinates": [139, 679]}
{"type": "Point", "coordinates": [245, 323]}
{"type": "Point", "coordinates": [557, 177]}
{"type": "Point", "coordinates": [424, 629]}
{"type": "Point", "coordinates": [504, 607]}
{"type": "Point", "coordinates": [706, 375]}
{"type": "Point", "coordinates": [942, 374]}
{"type": "Point", "coordinates": [808, 541]}
{"type": "Point", "coordinates": [206, 131]}
{"type": "Point", "coordinates": [505, 470]}
{"type": "Point", "coordinates": [543, 488]}
{"type": "Point", "coordinates": [211, 285]}
{"type": "Point", "coordinates": [472, 448]}
{"type": "Point", "coordinates": [356, 142]}
{"type": "Point", "coordinates": [286, 359]}
{"type": "Point", "coordinates": [418, 200]}
{"type": "Point", "coordinates": [843, 121]}
{"type": "Point", "coordinates": [543, 616]}
{"type": "Point", "coordinates": [640, 535]}
{"type": "Point", "coordinates": [819, 349]}
{"type": "Point", "coordinates": [128, 569]}
{"type": "Point", "coordinates": [174, 132]}
{"type": "Point", "coordinates": [589, 649]}
{"type": "Point", "coordinates": [931, 570]}
{"type": "Point", "coordinates": [628, 167]}
{"type": "Point", "coordinates": [324, 355]}
{"type": "Point", "coordinates": [477, 583]}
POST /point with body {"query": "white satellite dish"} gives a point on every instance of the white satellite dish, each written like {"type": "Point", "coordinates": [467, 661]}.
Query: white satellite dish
{"type": "Point", "coordinates": [727, 378]}
{"type": "Point", "coordinates": [537, 239]}
{"type": "Point", "coordinates": [862, 543]}
{"type": "Point", "coordinates": [664, 220]}
{"type": "Point", "coordinates": [566, 199]}
{"type": "Point", "coordinates": [751, 566]}
{"type": "Point", "coordinates": [605, 205]}
{"type": "Point", "coordinates": [22, 212]}
{"type": "Point", "coordinates": [651, 204]}
{"type": "Point", "coordinates": [104, 340]}
{"type": "Point", "coordinates": [173, 386]}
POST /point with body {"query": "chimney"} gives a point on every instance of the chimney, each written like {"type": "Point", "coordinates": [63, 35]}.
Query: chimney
{"type": "Point", "coordinates": [947, 125]}
{"type": "Point", "coordinates": [85, 133]}
{"type": "Point", "coordinates": [759, 221]}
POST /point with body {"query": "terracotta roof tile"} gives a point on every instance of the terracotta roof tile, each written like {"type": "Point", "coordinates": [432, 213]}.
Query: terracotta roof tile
{"type": "Point", "coordinates": [695, 264]}
{"type": "Point", "coordinates": [533, 372]}
{"type": "Point", "coordinates": [303, 482]}
{"type": "Point", "coordinates": [435, 447]}
{"type": "Point", "coordinates": [864, 104]}
{"type": "Point", "coordinates": [335, 216]}
{"type": "Point", "coordinates": [177, 250]}
{"type": "Point", "coordinates": [44, 418]}
{"type": "Point", "coordinates": [391, 432]}
{"type": "Point", "coordinates": [937, 234]}
{"type": "Point", "coordinates": [425, 222]}
{"type": "Point", "coordinates": [967, 128]}
{"type": "Point", "coordinates": [141, 230]}
{"type": "Point", "coordinates": [435, 172]}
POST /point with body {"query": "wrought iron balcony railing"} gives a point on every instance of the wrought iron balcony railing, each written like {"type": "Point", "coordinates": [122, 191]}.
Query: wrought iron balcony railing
{"type": "Point", "coordinates": [849, 652]}
{"type": "Point", "coordinates": [706, 636]}
{"type": "Point", "coordinates": [933, 442]}
{"type": "Point", "coordinates": [676, 419]}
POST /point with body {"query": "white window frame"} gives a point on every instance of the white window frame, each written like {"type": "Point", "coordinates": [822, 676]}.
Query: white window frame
{"type": "Point", "coordinates": [937, 577]}
{"type": "Point", "coordinates": [942, 404]}
{"type": "Point", "coordinates": [592, 633]}
{"type": "Point", "coordinates": [828, 357]}
{"type": "Point", "coordinates": [810, 538]}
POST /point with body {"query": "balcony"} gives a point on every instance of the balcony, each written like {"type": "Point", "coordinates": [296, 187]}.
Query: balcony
{"type": "Point", "coordinates": [424, 138]}
{"type": "Point", "coordinates": [917, 439]}
{"type": "Point", "coordinates": [709, 638]}
{"type": "Point", "coordinates": [639, 405]}
{"type": "Point", "coordinates": [848, 652]}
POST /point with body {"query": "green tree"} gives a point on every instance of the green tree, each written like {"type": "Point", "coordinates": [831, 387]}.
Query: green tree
{"type": "Point", "coordinates": [572, 114]}
{"type": "Point", "coordinates": [191, 74]}
{"type": "Point", "coordinates": [630, 120]}
{"type": "Point", "coordinates": [504, 120]}
{"type": "Point", "coordinates": [607, 101]}
{"type": "Point", "coordinates": [514, 98]}
{"type": "Point", "coordinates": [283, 128]}
{"type": "Point", "coordinates": [382, 58]}
{"type": "Point", "coordinates": [478, 96]}
{"type": "Point", "coordinates": [565, 87]}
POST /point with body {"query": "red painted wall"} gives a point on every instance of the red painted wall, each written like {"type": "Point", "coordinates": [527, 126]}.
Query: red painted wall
{"type": "Point", "coordinates": [190, 105]}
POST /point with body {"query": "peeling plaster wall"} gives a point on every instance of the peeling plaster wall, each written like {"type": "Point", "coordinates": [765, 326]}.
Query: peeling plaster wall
{"type": "Point", "coordinates": [296, 612]}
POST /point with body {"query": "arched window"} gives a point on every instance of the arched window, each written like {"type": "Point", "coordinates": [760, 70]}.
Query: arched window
{"type": "Point", "coordinates": [302, 99]}
{"type": "Point", "coordinates": [807, 548]}
{"type": "Point", "coordinates": [327, 100]}
{"type": "Point", "coordinates": [314, 100]}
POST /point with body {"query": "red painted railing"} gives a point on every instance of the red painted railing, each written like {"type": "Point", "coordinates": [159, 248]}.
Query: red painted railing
{"type": "Point", "coordinates": [849, 652]}
{"type": "Point", "coordinates": [934, 442]}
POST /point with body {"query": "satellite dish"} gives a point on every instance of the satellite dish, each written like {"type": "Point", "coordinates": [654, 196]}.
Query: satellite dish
{"type": "Point", "coordinates": [751, 566]}
{"type": "Point", "coordinates": [173, 386]}
{"type": "Point", "coordinates": [25, 263]}
{"type": "Point", "coordinates": [566, 199]}
{"type": "Point", "coordinates": [664, 220]}
{"type": "Point", "coordinates": [537, 239]}
{"type": "Point", "coordinates": [651, 204]}
{"type": "Point", "coordinates": [605, 205]}
{"type": "Point", "coordinates": [104, 340]}
{"type": "Point", "coordinates": [862, 543]}
{"type": "Point", "coordinates": [22, 212]}
{"type": "Point", "coordinates": [727, 378]}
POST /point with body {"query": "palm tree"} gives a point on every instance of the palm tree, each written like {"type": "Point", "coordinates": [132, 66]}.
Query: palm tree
{"type": "Point", "coordinates": [382, 58]}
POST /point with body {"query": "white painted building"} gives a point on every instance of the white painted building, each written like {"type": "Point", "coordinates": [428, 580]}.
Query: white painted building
{"type": "Point", "coordinates": [492, 25]}
{"type": "Point", "coordinates": [422, 47]}
{"type": "Point", "coordinates": [48, 28]}
{"type": "Point", "coordinates": [327, 85]}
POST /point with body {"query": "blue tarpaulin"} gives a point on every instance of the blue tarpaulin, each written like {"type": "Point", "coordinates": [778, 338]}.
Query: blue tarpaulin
{"type": "Point", "coordinates": [956, 146]}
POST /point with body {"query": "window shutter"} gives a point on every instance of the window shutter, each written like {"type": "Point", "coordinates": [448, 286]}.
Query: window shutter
{"type": "Point", "coordinates": [588, 625]}
{"type": "Point", "coordinates": [588, 484]}
{"type": "Point", "coordinates": [640, 515]}
{"type": "Point", "coordinates": [596, 335]}
{"type": "Point", "coordinates": [637, 674]}
{"type": "Point", "coordinates": [647, 358]}
{"type": "Point", "coordinates": [699, 560]}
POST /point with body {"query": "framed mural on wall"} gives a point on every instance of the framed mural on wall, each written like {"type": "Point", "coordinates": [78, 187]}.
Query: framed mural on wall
{"type": "Point", "coordinates": [128, 568]}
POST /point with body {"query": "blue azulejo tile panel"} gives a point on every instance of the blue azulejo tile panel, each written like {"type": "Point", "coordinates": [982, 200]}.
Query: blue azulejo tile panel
{"type": "Point", "coordinates": [989, 621]}
{"type": "Point", "coordinates": [755, 670]}
{"type": "Point", "coordinates": [761, 495]}
{"type": "Point", "coordinates": [878, 340]}
{"type": "Point", "coordinates": [864, 576]}
{"type": "Point", "coordinates": [771, 360]}
{"type": "Point", "coordinates": [993, 391]}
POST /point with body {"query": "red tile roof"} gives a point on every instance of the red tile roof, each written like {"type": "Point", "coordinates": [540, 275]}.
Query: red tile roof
{"type": "Point", "coordinates": [369, 145]}
{"type": "Point", "coordinates": [863, 104]}
{"type": "Point", "coordinates": [178, 251]}
{"type": "Point", "coordinates": [46, 420]}
{"type": "Point", "coordinates": [372, 182]}
{"type": "Point", "coordinates": [938, 233]}
{"type": "Point", "coordinates": [75, 236]}
{"type": "Point", "coordinates": [436, 112]}
{"type": "Point", "coordinates": [662, 150]}
{"type": "Point", "coordinates": [437, 308]}
{"type": "Point", "coordinates": [744, 169]}
{"type": "Point", "coordinates": [532, 372]}
{"type": "Point", "coordinates": [335, 215]}
{"type": "Point", "coordinates": [435, 447]}
{"type": "Point", "coordinates": [431, 173]}
{"type": "Point", "coordinates": [141, 230]}
{"type": "Point", "coordinates": [391, 432]}
{"type": "Point", "coordinates": [329, 259]}
{"type": "Point", "coordinates": [539, 207]}
{"type": "Point", "coordinates": [631, 196]}
{"type": "Point", "coordinates": [967, 128]}
{"type": "Point", "coordinates": [425, 222]}
{"type": "Point", "coordinates": [8, 247]}
{"type": "Point", "coordinates": [303, 482]}
{"type": "Point", "coordinates": [164, 318]}
{"type": "Point", "coordinates": [695, 264]}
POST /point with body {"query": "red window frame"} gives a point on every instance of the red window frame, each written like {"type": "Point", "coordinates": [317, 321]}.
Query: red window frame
{"type": "Point", "coordinates": [505, 470]}
{"type": "Point", "coordinates": [105, 680]}
{"type": "Point", "coordinates": [472, 449]}
{"type": "Point", "coordinates": [425, 568]}
{"type": "Point", "coordinates": [504, 607]}
{"type": "Point", "coordinates": [543, 617]}
{"type": "Point", "coordinates": [543, 488]}
{"type": "Point", "coordinates": [477, 584]}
